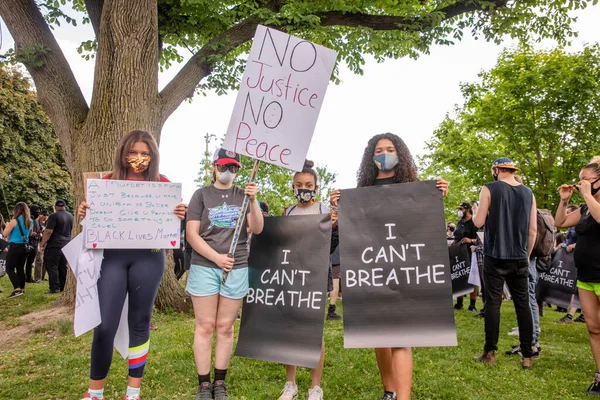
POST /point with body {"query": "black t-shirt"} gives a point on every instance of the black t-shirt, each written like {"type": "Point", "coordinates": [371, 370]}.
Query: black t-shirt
{"type": "Point", "coordinates": [507, 223]}
{"type": "Point", "coordinates": [465, 229]}
{"type": "Point", "coordinates": [587, 251]}
{"type": "Point", "coordinates": [385, 181]}
{"type": "Point", "coordinates": [61, 224]}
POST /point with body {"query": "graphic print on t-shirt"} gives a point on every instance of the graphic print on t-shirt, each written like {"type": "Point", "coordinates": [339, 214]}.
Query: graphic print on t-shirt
{"type": "Point", "coordinates": [223, 216]}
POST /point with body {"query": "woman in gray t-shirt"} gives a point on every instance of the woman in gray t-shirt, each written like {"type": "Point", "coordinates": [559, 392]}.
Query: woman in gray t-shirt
{"type": "Point", "coordinates": [211, 220]}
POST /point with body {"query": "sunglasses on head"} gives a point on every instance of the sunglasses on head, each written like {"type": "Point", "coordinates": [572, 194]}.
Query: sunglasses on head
{"type": "Point", "coordinates": [232, 168]}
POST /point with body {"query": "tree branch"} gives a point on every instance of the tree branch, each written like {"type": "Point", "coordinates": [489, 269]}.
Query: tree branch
{"type": "Point", "coordinates": [197, 68]}
{"type": "Point", "coordinates": [57, 89]}
{"type": "Point", "coordinates": [388, 22]}
{"type": "Point", "coordinates": [94, 9]}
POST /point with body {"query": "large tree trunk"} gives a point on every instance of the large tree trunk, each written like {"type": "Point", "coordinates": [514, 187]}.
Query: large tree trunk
{"type": "Point", "coordinates": [170, 293]}
{"type": "Point", "coordinates": [127, 47]}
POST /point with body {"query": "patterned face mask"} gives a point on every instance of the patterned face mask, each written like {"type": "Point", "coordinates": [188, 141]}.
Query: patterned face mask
{"type": "Point", "coordinates": [138, 164]}
{"type": "Point", "coordinates": [304, 196]}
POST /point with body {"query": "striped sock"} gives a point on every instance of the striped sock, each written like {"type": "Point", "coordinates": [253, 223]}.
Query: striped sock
{"type": "Point", "coordinates": [138, 355]}
{"type": "Point", "coordinates": [97, 393]}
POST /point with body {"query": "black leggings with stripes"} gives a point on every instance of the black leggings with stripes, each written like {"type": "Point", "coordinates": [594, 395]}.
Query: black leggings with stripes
{"type": "Point", "coordinates": [136, 272]}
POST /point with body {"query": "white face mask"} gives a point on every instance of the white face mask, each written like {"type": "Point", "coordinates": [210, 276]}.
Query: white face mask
{"type": "Point", "coordinates": [460, 214]}
{"type": "Point", "coordinates": [225, 177]}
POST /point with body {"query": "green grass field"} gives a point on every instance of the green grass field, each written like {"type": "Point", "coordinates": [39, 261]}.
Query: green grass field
{"type": "Point", "coordinates": [48, 362]}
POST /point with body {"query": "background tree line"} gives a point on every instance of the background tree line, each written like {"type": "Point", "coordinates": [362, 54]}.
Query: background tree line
{"type": "Point", "coordinates": [539, 108]}
{"type": "Point", "coordinates": [32, 168]}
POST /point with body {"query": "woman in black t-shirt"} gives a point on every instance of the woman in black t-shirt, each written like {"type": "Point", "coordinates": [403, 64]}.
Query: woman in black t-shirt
{"type": "Point", "coordinates": [586, 220]}
{"type": "Point", "coordinates": [387, 160]}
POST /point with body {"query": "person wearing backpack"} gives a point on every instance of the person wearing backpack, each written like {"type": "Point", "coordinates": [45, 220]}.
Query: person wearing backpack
{"type": "Point", "coordinates": [34, 241]}
{"type": "Point", "coordinates": [508, 212]}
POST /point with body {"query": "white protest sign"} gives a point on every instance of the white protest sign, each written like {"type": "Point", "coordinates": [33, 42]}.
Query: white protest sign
{"type": "Point", "coordinates": [132, 214]}
{"type": "Point", "coordinates": [86, 266]}
{"type": "Point", "coordinates": [280, 97]}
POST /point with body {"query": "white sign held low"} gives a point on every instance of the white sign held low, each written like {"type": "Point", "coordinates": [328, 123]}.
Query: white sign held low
{"type": "Point", "coordinates": [132, 215]}
{"type": "Point", "coordinates": [280, 97]}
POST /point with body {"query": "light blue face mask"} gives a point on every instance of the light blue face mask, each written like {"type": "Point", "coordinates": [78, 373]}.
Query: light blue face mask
{"type": "Point", "coordinates": [386, 162]}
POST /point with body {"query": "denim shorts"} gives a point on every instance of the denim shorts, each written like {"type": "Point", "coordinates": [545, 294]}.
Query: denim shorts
{"type": "Point", "coordinates": [206, 281]}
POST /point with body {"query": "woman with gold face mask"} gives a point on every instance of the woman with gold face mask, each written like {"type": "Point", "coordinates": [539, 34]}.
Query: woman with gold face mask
{"type": "Point", "coordinates": [133, 272]}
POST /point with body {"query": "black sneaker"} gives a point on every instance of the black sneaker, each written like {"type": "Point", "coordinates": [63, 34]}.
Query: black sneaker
{"type": "Point", "coordinates": [536, 350]}
{"type": "Point", "coordinates": [15, 293]}
{"type": "Point", "coordinates": [220, 391]}
{"type": "Point", "coordinates": [333, 316]}
{"type": "Point", "coordinates": [56, 291]}
{"type": "Point", "coordinates": [205, 391]}
{"type": "Point", "coordinates": [594, 389]}
{"type": "Point", "coordinates": [514, 351]}
{"type": "Point", "coordinates": [581, 318]}
{"type": "Point", "coordinates": [388, 396]}
{"type": "Point", "coordinates": [472, 309]}
{"type": "Point", "coordinates": [458, 306]}
{"type": "Point", "coordinates": [567, 319]}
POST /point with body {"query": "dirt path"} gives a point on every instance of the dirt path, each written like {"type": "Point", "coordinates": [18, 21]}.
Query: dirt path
{"type": "Point", "coordinates": [30, 322]}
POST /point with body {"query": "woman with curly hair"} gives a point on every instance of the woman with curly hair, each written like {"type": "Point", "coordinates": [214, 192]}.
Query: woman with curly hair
{"type": "Point", "coordinates": [386, 161]}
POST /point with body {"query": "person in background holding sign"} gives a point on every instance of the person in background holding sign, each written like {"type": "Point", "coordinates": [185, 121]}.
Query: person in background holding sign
{"type": "Point", "coordinates": [387, 160]}
{"type": "Point", "coordinates": [305, 189]}
{"type": "Point", "coordinates": [133, 272]}
{"type": "Point", "coordinates": [586, 220]}
{"type": "Point", "coordinates": [466, 233]}
{"type": "Point", "coordinates": [508, 211]}
{"type": "Point", "coordinates": [211, 219]}
{"type": "Point", "coordinates": [17, 231]}
{"type": "Point", "coordinates": [56, 235]}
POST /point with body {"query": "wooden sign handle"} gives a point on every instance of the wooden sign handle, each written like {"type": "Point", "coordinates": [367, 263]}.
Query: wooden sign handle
{"type": "Point", "coordinates": [240, 221]}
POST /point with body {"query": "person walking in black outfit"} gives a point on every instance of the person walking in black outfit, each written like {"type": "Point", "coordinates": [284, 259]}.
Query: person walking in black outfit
{"type": "Point", "coordinates": [508, 211]}
{"type": "Point", "coordinates": [56, 235]}
{"type": "Point", "coordinates": [34, 241]}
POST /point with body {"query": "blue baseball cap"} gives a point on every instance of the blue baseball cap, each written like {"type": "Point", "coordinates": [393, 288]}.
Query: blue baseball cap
{"type": "Point", "coordinates": [504, 162]}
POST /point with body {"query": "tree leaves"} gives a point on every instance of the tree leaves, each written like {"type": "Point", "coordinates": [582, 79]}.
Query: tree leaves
{"type": "Point", "coordinates": [536, 107]}
{"type": "Point", "coordinates": [31, 166]}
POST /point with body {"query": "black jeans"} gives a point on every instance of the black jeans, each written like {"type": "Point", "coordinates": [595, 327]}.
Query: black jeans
{"type": "Point", "coordinates": [56, 266]}
{"type": "Point", "coordinates": [15, 265]}
{"type": "Point", "coordinates": [30, 260]}
{"type": "Point", "coordinates": [515, 273]}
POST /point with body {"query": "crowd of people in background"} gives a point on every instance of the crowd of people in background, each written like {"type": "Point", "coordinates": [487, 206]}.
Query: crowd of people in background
{"type": "Point", "coordinates": [32, 241]}
{"type": "Point", "coordinates": [500, 229]}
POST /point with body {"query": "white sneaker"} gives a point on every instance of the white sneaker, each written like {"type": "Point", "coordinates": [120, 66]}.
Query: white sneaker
{"type": "Point", "coordinates": [514, 332]}
{"type": "Point", "coordinates": [316, 393]}
{"type": "Point", "coordinates": [290, 391]}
